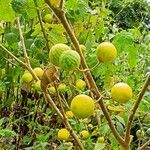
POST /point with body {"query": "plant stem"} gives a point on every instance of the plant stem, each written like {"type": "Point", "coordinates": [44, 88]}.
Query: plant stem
{"type": "Point", "coordinates": [93, 87]}
{"type": "Point", "coordinates": [25, 51]}
{"type": "Point", "coordinates": [47, 96]}
{"type": "Point", "coordinates": [135, 107]}
{"type": "Point", "coordinates": [41, 24]}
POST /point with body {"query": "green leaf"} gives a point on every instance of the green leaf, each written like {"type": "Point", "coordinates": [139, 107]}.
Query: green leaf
{"type": "Point", "coordinates": [99, 146]}
{"type": "Point", "coordinates": [7, 133]}
{"type": "Point", "coordinates": [132, 56]}
{"type": "Point", "coordinates": [6, 12]}
{"type": "Point", "coordinates": [123, 41]}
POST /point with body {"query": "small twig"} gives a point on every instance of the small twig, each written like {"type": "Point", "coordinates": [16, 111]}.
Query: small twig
{"type": "Point", "coordinates": [144, 145]}
{"type": "Point", "coordinates": [13, 56]}
{"type": "Point", "coordinates": [25, 51]}
{"type": "Point", "coordinates": [135, 107]}
{"type": "Point", "coordinates": [22, 42]}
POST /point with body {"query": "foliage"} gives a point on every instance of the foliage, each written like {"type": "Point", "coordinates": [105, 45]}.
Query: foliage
{"type": "Point", "coordinates": [27, 120]}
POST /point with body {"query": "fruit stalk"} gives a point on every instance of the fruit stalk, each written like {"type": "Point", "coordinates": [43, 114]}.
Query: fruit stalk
{"type": "Point", "coordinates": [135, 107]}
{"type": "Point", "coordinates": [61, 15]}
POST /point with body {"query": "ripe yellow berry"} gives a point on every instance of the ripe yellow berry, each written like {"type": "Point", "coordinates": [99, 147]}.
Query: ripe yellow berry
{"type": "Point", "coordinates": [38, 71]}
{"type": "Point", "coordinates": [69, 114]}
{"type": "Point", "coordinates": [80, 84]}
{"type": "Point", "coordinates": [84, 134]}
{"type": "Point", "coordinates": [63, 134]}
{"type": "Point", "coordinates": [121, 92]}
{"type": "Point", "coordinates": [82, 106]}
{"type": "Point", "coordinates": [106, 52]}
{"type": "Point", "coordinates": [52, 89]}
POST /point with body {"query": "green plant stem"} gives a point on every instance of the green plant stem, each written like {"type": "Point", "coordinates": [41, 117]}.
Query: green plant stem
{"type": "Point", "coordinates": [93, 87]}
{"type": "Point", "coordinates": [134, 109]}
{"type": "Point", "coordinates": [25, 51]}
{"type": "Point", "coordinates": [41, 24]}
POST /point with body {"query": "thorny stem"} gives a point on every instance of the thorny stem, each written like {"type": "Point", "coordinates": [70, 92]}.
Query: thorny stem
{"type": "Point", "coordinates": [61, 15]}
{"type": "Point", "coordinates": [135, 107]}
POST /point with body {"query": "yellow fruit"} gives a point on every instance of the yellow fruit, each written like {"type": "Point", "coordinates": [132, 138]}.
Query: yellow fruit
{"type": "Point", "coordinates": [37, 86]}
{"type": "Point", "coordinates": [80, 84]}
{"type": "Point", "coordinates": [52, 89]}
{"type": "Point", "coordinates": [63, 134]}
{"type": "Point", "coordinates": [26, 77]}
{"type": "Point", "coordinates": [38, 71]}
{"type": "Point", "coordinates": [121, 92]}
{"type": "Point", "coordinates": [90, 126]}
{"type": "Point", "coordinates": [62, 87]}
{"type": "Point", "coordinates": [84, 134]}
{"type": "Point", "coordinates": [101, 139]}
{"type": "Point", "coordinates": [82, 106]}
{"type": "Point", "coordinates": [69, 114]}
{"type": "Point", "coordinates": [106, 52]}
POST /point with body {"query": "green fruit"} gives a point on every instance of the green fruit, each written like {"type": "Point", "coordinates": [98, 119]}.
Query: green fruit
{"type": "Point", "coordinates": [40, 42]}
{"type": "Point", "coordinates": [140, 133]}
{"type": "Point", "coordinates": [48, 18]}
{"type": "Point", "coordinates": [62, 88]}
{"type": "Point", "coordinates": [55, 53]}
{"type": "Point", "coordinates": [11, 38]}
{"type": "Point", "coordinates": [106, 52]}
{"type": "Point", "coordinates": [69, 60]}
{"type": "Point", "coordinates": [101, 139]}
{"type": "Point", "coordinates": [27, 77]}
{"type": "Point", "coordinates": [37, 86]}
{"type": "Point", "coordinates": [19, 6]}
{"type": "Point", "coordinates": [82, 106]}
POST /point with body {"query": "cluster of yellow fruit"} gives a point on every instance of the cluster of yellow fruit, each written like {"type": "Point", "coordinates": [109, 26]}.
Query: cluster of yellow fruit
{"type": "Point", "coordinates": [106, 52]}
{"type": "Point", "coordinates": [27, 78]}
